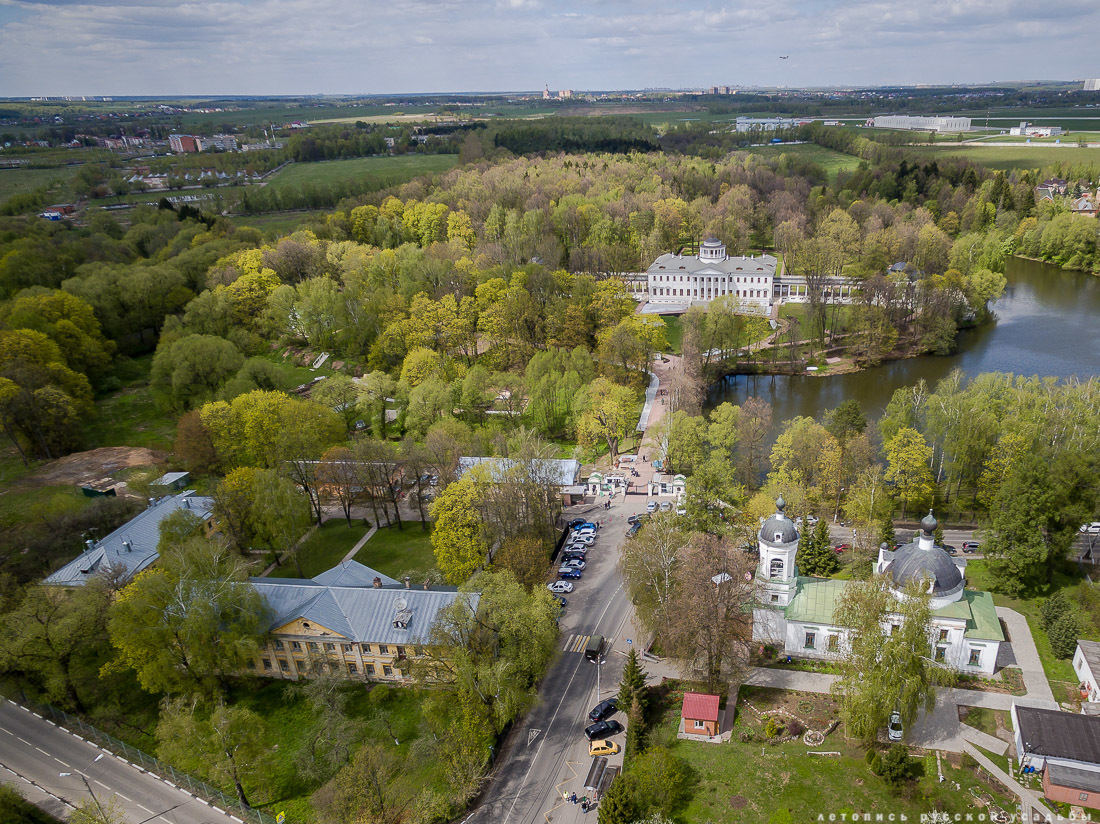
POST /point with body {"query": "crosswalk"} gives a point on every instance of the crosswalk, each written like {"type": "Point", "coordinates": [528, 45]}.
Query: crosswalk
{"type": "Point", "coordinates": [576, 643]}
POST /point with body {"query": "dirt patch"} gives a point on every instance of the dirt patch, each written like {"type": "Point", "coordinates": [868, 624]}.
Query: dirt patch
{"type": "Point", "coordinates": [93, 466]}
{"type": "Point", "coordinates": [738, 802]}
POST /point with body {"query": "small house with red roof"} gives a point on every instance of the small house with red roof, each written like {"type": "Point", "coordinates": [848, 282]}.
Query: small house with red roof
{"type": "Point", "coordinates": [700, 714]}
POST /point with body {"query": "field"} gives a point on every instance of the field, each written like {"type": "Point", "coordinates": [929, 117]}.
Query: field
{"type": "Point", "coordinates": [274, 225]}
{"type": "Point", "coordinates": [832, 162]}
{"type": "Point", "coordinates": [323, 550]}
{"type": "Point", "coordinates": [386, 171]}
{"type": "Point", "coordinates": [673, 332]}
{"type": "Point", "coordinates": [17, 181]}
{"type": "Point", "coordinates": [1003, 158]}
{"type": "Point", "coordinates": [399, 552]}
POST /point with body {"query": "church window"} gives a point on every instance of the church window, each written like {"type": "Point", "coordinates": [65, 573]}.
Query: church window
{"type": "Point", "coordinates": [352, 669]}
{"type": "Point", "coordinates": [975, 658]}
{"type": "Point", "coordinates": [776, 568]}
{"type": "Point", "coordinates": [267, 663]}
{"type": "Point", "coordinates": [943, 636]}
{"type": "Point", "coordinates": [775, 599]}
{"type": "Point", "coordinates": [811, 640]}
{"type": "Point", "coordinates": [833, 644]}
{"type": "Point", "coordinates": [941, 654]}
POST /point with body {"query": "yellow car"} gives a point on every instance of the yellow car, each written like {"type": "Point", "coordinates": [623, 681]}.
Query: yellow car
{"type": "Point", "coordinates": [603, 747]}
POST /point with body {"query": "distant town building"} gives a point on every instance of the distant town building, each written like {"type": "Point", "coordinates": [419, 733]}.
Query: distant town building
{"type": "Point", "coordinates": [1092, 85]}
{"type": "Point", "coordinates": [1031, 130]}
{"type": "Point", "coordinates": [218, 142]}
{"type": "Point", "coordinates": [769, 124]}
{"type": "Point", "coordinates": [947, 123]}
{"type": "Point", "coordinates": [181, 143]}
{"type": "Point", "coordinates": [564, 94]}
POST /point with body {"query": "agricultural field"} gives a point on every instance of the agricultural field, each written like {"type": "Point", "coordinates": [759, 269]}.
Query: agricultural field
{"type": "Point", "coordinates": [831, 161]}
{"type": "Point", "coordinates": [1004, 158]}
{"type": "Point", "coordinates": [387, 171]}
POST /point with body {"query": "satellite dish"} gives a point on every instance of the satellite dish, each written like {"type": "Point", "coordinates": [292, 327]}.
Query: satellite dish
{"type": "Point", "coordinates": [399, 604]}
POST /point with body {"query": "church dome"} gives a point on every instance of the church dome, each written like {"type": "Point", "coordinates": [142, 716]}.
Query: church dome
{"type": "Point", "coordinates": [779, 530]}
{"type": "Point", "coordinates": [933, 565]}
{"type": "Point", "coordinates": [929, 523]}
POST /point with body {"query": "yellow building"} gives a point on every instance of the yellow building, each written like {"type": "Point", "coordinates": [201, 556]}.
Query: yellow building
{"type": "Point", "coordinates": [351, 620]}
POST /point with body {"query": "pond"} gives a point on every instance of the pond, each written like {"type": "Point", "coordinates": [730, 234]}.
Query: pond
{"type": "Point", "coordinates": [1047, 323]}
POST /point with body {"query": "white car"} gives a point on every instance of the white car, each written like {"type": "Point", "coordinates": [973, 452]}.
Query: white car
{"type": "Point", "coordinates": [666, 506]}
{"type": "Point", "coordinates": [576, 564]}
{"type": "Point", "coordinates": [558, 587]}
{"type": "Point", "coordinates": [584, 530]}
{"type": "Point", "coordinates": [586, 540]}
{"type": "Point", "coordinates": [681, 511]}
{"type": "Point", "coordinates": [894, 730]}
{"type": "Point", "coordinates": [651, 506]}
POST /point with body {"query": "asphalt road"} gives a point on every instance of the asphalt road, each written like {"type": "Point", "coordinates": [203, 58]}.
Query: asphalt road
{"type": "Point", "coordinates": [547, 754]}
{"type": "Point", "coordinates": [34, 752]}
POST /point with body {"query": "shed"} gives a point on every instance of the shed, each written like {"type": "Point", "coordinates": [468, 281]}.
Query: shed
{"type": "Point", "coordinates": [700, 713]}
{"type": "Point", "coordinates": [172, 480]}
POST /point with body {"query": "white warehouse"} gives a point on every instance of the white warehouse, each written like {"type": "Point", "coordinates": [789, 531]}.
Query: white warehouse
{"type": "Point", "coordinates": [947, 123]}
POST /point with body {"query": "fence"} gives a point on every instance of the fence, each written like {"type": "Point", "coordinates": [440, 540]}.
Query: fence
{"type": "Point", "coordinates": [229, 803]}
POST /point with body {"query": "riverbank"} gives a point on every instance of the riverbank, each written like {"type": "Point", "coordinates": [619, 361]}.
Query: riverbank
{"type": "Point", "coordinates": [1095, 274]}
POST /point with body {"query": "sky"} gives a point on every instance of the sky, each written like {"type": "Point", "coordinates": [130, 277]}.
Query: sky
{"type": "Point", "coordinates": [293, 47]}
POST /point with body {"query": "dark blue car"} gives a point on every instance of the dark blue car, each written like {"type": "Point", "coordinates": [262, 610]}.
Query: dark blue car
{"type": "Point", "coordinates": [566, 572]}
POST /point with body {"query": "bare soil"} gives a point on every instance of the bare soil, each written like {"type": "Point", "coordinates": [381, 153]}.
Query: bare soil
{"type": "Point", "coordinates": [83, 468]}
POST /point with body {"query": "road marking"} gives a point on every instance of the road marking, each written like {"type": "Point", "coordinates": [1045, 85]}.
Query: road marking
{"type": "Point", "coordinates": [24, 740]}
{"type": "Point", "coordinates": [532, 735]}
{"type": "Point", "coordinates": [59, 761]}
{"type": "Point", "coordinates": [576, 643]}
{"type": "Point", "coordinates": [124, 798]}
{"type": "Point", "coordinates": [100, 783]}
{"type": "Point", "coordinates": [43, 751]}
{"type": "Point", "coordinates": [9, 732]}
{"type": "Point", "coordinates": [144, 808]}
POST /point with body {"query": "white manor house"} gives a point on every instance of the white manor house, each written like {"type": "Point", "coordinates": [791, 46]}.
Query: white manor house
{"type": "Point", "coordinates": [796, 613]}
{"type": "Point", "coordinates": [675, 282]}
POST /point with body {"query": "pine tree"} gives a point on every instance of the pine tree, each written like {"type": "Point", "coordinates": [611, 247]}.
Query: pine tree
{"type": "Point", "coordinates": [815, 556]}
{"type": "Point", "coordinates": [937, 534]}
{"type": "Point", "coordinates": [618, 805]}
{"type": "Point", "coordinates": [633, 685]}
{"type": "Point", "coordinates": [886, 534]}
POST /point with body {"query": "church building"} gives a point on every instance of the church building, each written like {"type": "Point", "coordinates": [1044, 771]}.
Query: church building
{"type": "Point", "coordinates": [795, 612]}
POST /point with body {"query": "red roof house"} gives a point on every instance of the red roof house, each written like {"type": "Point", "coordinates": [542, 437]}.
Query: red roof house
{"type": "Point", "coordinates": [700, 713]}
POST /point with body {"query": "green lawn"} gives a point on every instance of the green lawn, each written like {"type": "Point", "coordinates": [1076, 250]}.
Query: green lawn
{"type": "Point", "coordinates": [1059, 671]}
{"type": "Point", "coordinates": [673, 331]}
{"type": "Point", "coordinates": [986, 720]}
{"type": "Point", "coordinates": [17, 181]}
{"type": "Point", "coordinates": [831, 161]}
{"type": "Point", "coordinates": [274, 225]}
{"type": "Point", "coordinates": [323, 550]}
{"type": "Point", "coordinates": [400, 552]}
{"type": "Point", "coordinates": [1003, 158]}
{"type": "Point", "coordinates": [129, 416]}
{"type": "Point", "coordinates": [747, 782]}
{"type": "Point", "coordinates": [386, 171]}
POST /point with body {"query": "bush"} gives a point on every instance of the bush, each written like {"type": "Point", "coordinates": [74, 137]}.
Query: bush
{"type": "Point", "coordinates": [795, 728]}
{"type": "Point", "coordinates": [1054, 608]}
{"type": "Point", "coordinates": [773, 729]}
{"type": "Point", "coordinates": [896, 767]}
{"type": "Point", "coordinates": [1063, 635]}
{"type": "Point", "coordinates": [870, 756]}
{"type": "Point", "coordinates": [745, 735]}
{"type": "Point", "coordinates": [876, 764]}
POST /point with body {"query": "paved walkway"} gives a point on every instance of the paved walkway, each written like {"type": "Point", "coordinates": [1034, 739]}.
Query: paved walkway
{"type": "Point", "coordinates": [1029, 801]}
{"type": "Point", "coordinates": [360, 542]}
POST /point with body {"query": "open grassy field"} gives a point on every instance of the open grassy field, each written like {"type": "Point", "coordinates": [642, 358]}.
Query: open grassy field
{"type": "Point", "coordinates": [673, 332]}
{"type": "Point", "coordinates": [17, 181]}
{"type": "Point", "coordinates": [1003, 158]}
{"type": "Point", "coordinates": [400, 552]}
{"type": "Point", "coordinates": [323, 550]}
{"type": "Point", "coordinates": [832, 162]}
{"type": "Point", "coordinates": [1063, 139]}
{"type": "Point", "coordinates": [129, 416]}
{"type": "Point", "coordinates": [387, 171]}
{"type": "Point", "coordinates": [274, 225]}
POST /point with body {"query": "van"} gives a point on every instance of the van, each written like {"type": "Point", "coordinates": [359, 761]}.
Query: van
{"type": "Point", "coordinates": [595, 645]}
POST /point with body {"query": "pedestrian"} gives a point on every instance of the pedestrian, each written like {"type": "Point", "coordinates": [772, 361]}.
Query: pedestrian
{"type": "Point", "coordinates": [573, 798]}
{"type": "Point", "coordinates": [584, 806]}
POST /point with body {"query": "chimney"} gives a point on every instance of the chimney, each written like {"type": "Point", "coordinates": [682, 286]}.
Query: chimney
{"type": "Point", "coordinates": [377, 582]}
{"type": "Point", "coordinates": [129, 547]}
{"type": "Point", "coordinates": [408, 582]}
{"type": "Point", "coordinates": [427, 583]}
{"type": "Point", "coordinates": [186, 503]}
{"type": "Point", "coordinates": [89, 545]}
{"type": "Point", "coordinates": [152, 502]}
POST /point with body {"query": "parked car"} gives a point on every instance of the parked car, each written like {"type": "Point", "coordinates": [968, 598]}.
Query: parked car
{"type": "Point", "coordinates": [971, 546]}
{"type": "Point", "coordinates": [576, 523]}
{"type": "Point", "coordinates": [950, 549]}
{"type": "Point", "coordinates": [634, 519]}
{"type": "Point", "coordinates": [842, 548]}
{"type": "Point", "coordinates": [585, 529]}
{"type": "Point", "coordinates": [666, 506]}
{"type": "Point", "coordinates": [1094, 528]}
{"type": "Point", "coordinates": [562, 601]}
{"type": "Point", "coordinates": [604, 710]}
{"type": "Point", "coordinates": [559, 587]}
{"type": "Point", "coordinates": [574, 563]}
{"type": "Point", "coordinates": [583, 539]}
{"type": "Point", "coordinates": [651, 506]}
{"type": "Point", "coordinates": [602, 729]}
{"type": "Point", "coordinates": [571, 556]}
{"type": "Point", "coordinates": [894, 730]}
{"type": "Point", "coordinates": [603, 747]}
{"type": "Point", "coordinates": [682, 511]}
{"type": "Point", "coordinates": [633, 529]}
{"type": "Point", "coordinates": [569, 572]}
{"type": "Point", "coordinates": [811, 520]}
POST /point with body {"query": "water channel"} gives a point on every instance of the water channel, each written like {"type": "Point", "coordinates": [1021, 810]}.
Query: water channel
{"type": "Point", "coordinates": [1047, 323]}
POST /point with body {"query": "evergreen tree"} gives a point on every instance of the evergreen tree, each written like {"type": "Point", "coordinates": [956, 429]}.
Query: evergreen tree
{"type": "Point", "coordinates": [886, 534]}
{"type": "Point", "coordinates": [633, 687]}
{"type": "Point", "coordinates": [815, 556]}
{"type": "Point", "coordinates": [937, 534]}
{"type": "Point", "coordinates": [618, 805]}
{"type": "Point", "coordinates": [1053, 608]}
{"type": "Point", "coordinates": [1063, 634]}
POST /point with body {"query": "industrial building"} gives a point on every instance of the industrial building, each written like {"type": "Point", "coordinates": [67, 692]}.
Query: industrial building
{"type": "Point", "coordinates": [1092, 85]}
{"type": "Point", "coordinates": [947, 123]}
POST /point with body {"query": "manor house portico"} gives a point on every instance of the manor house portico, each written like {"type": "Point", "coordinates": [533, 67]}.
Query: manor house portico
{"type": "Point", "coordinates": [676, 282]}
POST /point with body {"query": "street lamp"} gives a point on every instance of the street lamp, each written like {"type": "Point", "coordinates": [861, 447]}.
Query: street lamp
{"type": "Point", "coordinates": [84, 778]}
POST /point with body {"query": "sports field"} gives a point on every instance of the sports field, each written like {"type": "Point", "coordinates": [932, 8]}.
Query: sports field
{"type": "Point", "coordinates": [388, 171]}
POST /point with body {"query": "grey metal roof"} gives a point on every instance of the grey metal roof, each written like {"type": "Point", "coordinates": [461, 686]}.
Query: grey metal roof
{"type": "Point", "coordinates": [779, 530]}
{"type": "Point", "coordinates": [760, 265]}
{"type": "Point", "coordinates": [911, 563]}
{"type": "Point", "coordinates": [169, 478]}
{"type": "Point", "coordinates": [563, 471]}
{"type": "Point", "coordinates": [1091, 652]}
{"type": "Point", "coordinates": [363, 614]}
{"type": "Point", "coordinates": [1059, 734]}
{"type": "Point", "coordinates": [1074, 777]}
{"type": "Point", "coordinates": [354, 574]}
{"type": "Point", "coordinates": [133, 546]}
